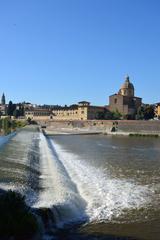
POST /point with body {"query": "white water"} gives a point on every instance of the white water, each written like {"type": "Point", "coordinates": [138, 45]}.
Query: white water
{"type": "Point", "coordinates": [80, 191]}
{"type": "Point", "coordinates": [58, 189]}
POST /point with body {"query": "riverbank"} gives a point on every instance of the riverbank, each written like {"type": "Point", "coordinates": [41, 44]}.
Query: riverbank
{"type": "Point", "coordinates": [8, 126]}
{"type": "Point", "coordinates": [63, 131]}
{"type": "Point", "coordinates": [120, 127]}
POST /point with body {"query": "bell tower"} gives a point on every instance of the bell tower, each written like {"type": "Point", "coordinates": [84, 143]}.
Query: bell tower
{"type": "Point", "coordinates": [3, 99]}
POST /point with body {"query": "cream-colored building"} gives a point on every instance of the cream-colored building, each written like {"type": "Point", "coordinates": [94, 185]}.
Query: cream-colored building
{"type": "Point", "coordinates": [38, 114]}
{"type": "Point", "coordinates": [82, 111]}
{"type": "Point", "coordinates": [157, 111]}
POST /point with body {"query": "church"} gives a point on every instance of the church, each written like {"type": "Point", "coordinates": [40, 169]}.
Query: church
{"type": "Point", "coordinates": [125, 101]}
{"type": "Point", "coordinates": [3, 105]}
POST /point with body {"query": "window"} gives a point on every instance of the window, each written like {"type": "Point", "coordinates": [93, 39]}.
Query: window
{"type": "Point", "coordinates": [82, 112]}
{"type": "Point", "coordinates": [115, 100]}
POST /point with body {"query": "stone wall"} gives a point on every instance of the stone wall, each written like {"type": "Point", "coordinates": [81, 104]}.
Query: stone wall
{"type": "Point", "coordinates": [107, 125]}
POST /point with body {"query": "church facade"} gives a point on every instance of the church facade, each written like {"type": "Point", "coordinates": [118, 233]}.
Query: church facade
{"type": "Point", "coordinates": [125, 101]}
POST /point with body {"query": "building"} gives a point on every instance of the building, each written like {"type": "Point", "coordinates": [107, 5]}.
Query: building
{"type": "Point", "coordinates": [157, 110]}
{"type": "Point", "coordinates": [38, 114]}
{"type": "Point", "coordinates": [125, 101]}
{"type": "Point", "coordinates": [3, 105]}
{"type": "Point", "coordinates": [3, 100]}
{"type": "Point", "coordinates": [81, 111]}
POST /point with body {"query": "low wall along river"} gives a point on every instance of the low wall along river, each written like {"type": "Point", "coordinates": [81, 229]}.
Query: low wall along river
{"type": "Point", "coordinates": [106, 126]}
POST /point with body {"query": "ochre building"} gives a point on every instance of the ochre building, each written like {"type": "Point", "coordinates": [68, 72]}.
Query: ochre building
{"type": "Point", "coordinates": [125, 101]}
{"type": "Point", "coordinates": [157, 111]}
{"type": "Point", "coordinates": [82, 111]}
{"type": "Point", "coordinates": [38, 114]}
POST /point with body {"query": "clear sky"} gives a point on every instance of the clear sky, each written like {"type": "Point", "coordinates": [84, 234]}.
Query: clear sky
{"type": "Point", "coordinates": [64, 51]}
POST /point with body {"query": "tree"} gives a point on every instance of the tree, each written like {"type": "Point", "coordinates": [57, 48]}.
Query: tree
{"type": "Point", "coordinates": [140, 113]}
{"type": "Point", "coordinates": [145, 112]}
{"type": "Point", "coordinates": [11, 108]}
{"type": "Point", "coordinates": [149, 112]}
{"type": "Point", "coordinates": [16, 113]}
{"type": "Point", "coordinates": [21, 111]}
{"type": "Point", "coordinates": [116, 115]}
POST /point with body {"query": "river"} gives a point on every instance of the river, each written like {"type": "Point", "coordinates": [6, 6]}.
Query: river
{"type": "Point", "coordinates": [109, 184]}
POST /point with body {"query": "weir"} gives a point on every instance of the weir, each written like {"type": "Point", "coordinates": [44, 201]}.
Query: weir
{"type": "Point", "coordinates": [53, 177]}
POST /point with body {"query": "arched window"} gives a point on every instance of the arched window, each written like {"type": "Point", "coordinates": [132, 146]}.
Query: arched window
{"type": "Point", "coordinates": [115, 100]}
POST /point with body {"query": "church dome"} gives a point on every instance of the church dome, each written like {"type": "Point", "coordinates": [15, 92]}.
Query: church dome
{"type": "Point", "coordinates": [127, 84]}
{"type": "Point", "coordinates": [127, 89]}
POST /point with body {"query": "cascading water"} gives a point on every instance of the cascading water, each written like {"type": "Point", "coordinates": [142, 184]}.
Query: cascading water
{"type": "Point", "coordinates": [79, 191]}
{"type": "Point", "coordinates": [59, 192]}
{"type": "Point", "coordinates": [19, 163]}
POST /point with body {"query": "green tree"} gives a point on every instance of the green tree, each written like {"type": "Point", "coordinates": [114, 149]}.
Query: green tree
{"type": "Point", "coordinates": [11, 108]}
{"type": "Point", "coordinates": [145, 112]}
{"type": "Point", "coordinates": [116, 115]}
{"type": "Point", "coordinates": [149, 112]}
{"type": "Point", "coordinates": [140, 113]}
{"type": "Point", "coordinates": [6, 125]}
{"type": "Point", "coordinates": [16, 113]}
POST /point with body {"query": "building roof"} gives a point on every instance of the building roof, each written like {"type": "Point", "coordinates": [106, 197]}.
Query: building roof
{"type": "Point", "coordinates": [37, 110]}
{"type": "Point", "coordinates": [127, 84]}
{"type": "Point", "coordinates": [84, 102]}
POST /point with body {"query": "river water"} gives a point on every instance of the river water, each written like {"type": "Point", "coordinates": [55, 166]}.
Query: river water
{"type": "Point", "coordinates": [111, 184]}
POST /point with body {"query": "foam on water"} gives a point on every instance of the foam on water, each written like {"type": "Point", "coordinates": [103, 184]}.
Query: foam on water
{"type": "Point", "coordinates": [106, 197]}
{"type": "Point", "coordinates": [58, 188]}
{"type": "Point", "coordinates": [82, 191]}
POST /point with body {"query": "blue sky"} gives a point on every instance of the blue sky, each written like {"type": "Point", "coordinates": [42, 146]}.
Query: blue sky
{"type": "Point", "coordinates": [64, 51]}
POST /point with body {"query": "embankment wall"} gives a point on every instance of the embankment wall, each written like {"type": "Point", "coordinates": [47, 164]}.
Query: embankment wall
{"type": "Point", "coordinates": [107, 125]}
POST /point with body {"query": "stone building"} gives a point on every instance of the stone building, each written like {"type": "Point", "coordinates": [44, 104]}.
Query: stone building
{"type": "Point", "coordinates": [81, 111]}
{"type": "Point", "coordinates": [125, 101]}
{"type": "Point", "coordinates": [38, 114]}
{"type": "Point", "coordinates": [157, 111]}
{"type": "Point", "coordinates": [3, 106]}
{"type": "Point", "coordinates": [3, 99]}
